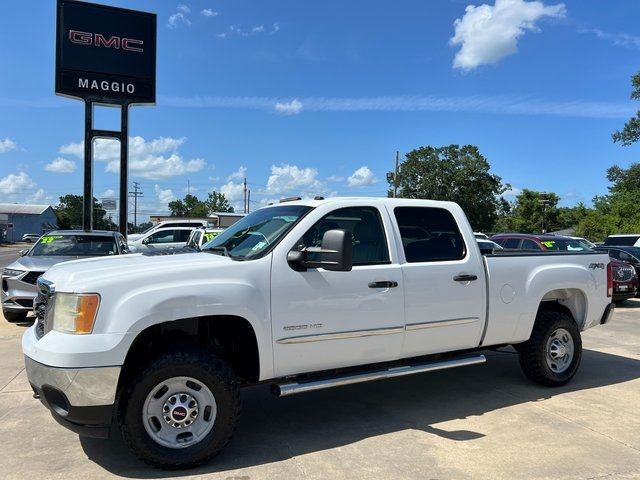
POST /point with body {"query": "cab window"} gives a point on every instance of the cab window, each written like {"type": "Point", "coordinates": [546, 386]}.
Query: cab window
{"type": "Point", "coordinates": [367, 233]}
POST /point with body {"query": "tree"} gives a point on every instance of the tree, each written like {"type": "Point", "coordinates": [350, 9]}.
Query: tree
{"type": "Point", "coordinates": [190, 206]}
{"type": "Point", "coordinates": [217, 202]}
{"type": "Point", "coordinates": [455, 173]}
{"type": "Point", "coordinates": [69, 214]}
{"type": "Point", "coordinates": [630, 133]}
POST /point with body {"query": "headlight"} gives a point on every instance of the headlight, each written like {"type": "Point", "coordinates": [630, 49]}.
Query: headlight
{"type": "Point", "coordinates": [75, 313]}
{"type": "Point", "coordinates": [10, 272]}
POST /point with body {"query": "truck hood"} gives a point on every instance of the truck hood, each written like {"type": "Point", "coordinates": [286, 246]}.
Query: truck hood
{"type": "Point", "coordinates": [39, 263]}
{"type": "Point", "coordinates": [94, 273]}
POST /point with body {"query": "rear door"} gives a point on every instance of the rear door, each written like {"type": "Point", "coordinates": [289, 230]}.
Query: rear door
{"type": "Point", "coordinates": [444, 282]}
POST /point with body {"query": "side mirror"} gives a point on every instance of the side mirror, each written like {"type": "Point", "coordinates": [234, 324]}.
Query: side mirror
{"type": "Point", "coordinates": [146, 241]}
{"type": "Point", "coordinates": [23, 252]}
{"type": "Point", "coordinates": [336, 252]}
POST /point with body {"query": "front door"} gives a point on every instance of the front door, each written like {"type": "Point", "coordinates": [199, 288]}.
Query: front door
{"type": "Point", "coordinates": [323, 319]}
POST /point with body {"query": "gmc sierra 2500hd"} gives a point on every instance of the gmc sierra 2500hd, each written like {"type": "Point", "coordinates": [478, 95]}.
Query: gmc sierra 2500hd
{"type": "Point", "coordinates": [304, 295]}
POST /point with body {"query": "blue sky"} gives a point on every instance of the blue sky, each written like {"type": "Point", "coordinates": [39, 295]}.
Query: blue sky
{"type": "Point", "coordinates": [316, 97]}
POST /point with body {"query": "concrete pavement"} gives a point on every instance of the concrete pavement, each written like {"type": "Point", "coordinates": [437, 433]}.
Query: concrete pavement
{"type": "Point", "coordinates": [486, 422]}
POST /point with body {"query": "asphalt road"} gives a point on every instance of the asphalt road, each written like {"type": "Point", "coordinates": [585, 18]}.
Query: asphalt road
{"type": "Point", "coordinates": [481, 422]}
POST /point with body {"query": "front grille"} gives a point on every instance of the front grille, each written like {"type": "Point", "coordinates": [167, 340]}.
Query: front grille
{"type": "Point", "coordinates": [42, 304]}
{"type": "Point", "coordinates": [31, 277]}
{"type": "Point", "coordinates": [623, 274]}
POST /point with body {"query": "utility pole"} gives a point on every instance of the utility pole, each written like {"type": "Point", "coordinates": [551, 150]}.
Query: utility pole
{"type": "Point", "coordinates": [135, 194]}
{"type": "Point", "coordinates": [248, 201]}
{"type": "Point", "coordinates": [188, 187]}
{"type": "Point", "coordinates": [544, 202]}
{"type": "Point", "coordinates": [245, 194]}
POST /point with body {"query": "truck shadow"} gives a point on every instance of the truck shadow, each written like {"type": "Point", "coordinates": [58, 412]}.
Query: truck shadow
{"type": "Point", "coordinates": [273, 430]}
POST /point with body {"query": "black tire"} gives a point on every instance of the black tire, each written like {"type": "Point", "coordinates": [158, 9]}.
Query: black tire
{"type": "Point", "coordinates": [533, 352]}
{"type": "Point", "coordinates": [198, 364]}
{"type": "Point", "coordinates": [14, 317]}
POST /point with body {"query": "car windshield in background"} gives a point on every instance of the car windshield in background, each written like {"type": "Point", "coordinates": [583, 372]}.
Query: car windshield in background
{"type": "Point", "coordinates": [74, 246]}
{"type": "Point", "coordinates": [254, 235]}
{"type": "Point", "coordinates": [562, 245]}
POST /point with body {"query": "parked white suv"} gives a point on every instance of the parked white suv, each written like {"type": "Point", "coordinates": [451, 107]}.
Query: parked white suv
{"type": "Point", "coordinates": [305, 295]}
{"type": "Point", "coordinates": [162, 239]}
{"type": "Point", "coordinates": [185, 222]}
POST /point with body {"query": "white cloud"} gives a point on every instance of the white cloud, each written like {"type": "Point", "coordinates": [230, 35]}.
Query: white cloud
{"type": "Point", "coordinates": [164, 195]}
{"type": "Point", "coordinates": [178, 19]}
{"type": "Point", "coordinates": [7, 145]}
{"type": "Point", "coordinates": [183, 8]}
{"type": "Point", "coordinates": [496, 104]}
{"type": "Point", "coordinates": [486, 33]}
{"type": "Point", "coordinates": [335, 179]}
{"type": "Point", "coordinates": [512, 192]}
{"type": "Point", "coordinates": [12, 183]}
{"type": "Point", "coordinates": [155, 159]}
{"type": "Point", "coordinates": [362, 177]}
{"type": "Point", "coordinates": [258, 29]}
{"type": "Point", "coordinates": [239, 174]}
{"type": "Point", "coordinates": [40, 196]}
{"type": "Point", "coordinates": [289, 108]}
{"type": "Point", "coordinates": [208, 12]}
{"type": "Point", "coordinates": [234, 193]}
{"type": "Point", "coordinates": [620, 39]}
{"type": "Point", "coordinates": [109, 192]}
{"type": "Point", "coordinates": [221, 35]}
{"type": "Point", "coordinates": [275, 28]}
{"type": "Point", "coordinates": [61, 165]}
{"type": "Point", "coordinates": [286, 178]}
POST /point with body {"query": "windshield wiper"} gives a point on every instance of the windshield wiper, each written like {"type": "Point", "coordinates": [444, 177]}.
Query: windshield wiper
{"type": "Point", "coordinates": [224, 251]}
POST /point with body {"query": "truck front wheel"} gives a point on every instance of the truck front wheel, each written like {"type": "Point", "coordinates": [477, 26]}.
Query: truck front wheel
{"type": "Point", "coordinates": [552, 354]}
{"type": "Point", "coordinates": [181, 410]}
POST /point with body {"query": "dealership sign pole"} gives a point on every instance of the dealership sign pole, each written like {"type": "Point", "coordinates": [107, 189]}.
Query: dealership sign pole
{"type": "Point", "coordinates": [105, 56]}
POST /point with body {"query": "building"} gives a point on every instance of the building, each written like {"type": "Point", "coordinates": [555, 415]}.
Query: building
{"type": "Point", "coordinates": [217, 219]}
{"type": "Point", "coordinates": [16, 220]}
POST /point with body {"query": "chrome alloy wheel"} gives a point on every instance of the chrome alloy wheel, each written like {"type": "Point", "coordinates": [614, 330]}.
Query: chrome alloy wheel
{"type": "Point", "coordinates": [559, 350]}
{"type": "Point", "coordinates": [179, 412]}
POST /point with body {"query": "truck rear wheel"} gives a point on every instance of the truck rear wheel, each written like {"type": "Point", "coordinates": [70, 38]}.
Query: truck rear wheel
{"type": "Point", "coordinates": [181, 410]}
{"type": "Point", "coordinates": [552, 354]}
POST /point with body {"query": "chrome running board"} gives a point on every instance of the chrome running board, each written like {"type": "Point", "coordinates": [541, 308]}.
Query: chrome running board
{"type": "Point", "coordinates": [291, 388]}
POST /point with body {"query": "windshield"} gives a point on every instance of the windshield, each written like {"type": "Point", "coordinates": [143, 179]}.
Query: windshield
{"type": "Point", "coordinates": [255, 235]}
{"type": "Point", "coordinates": [565, 245]}
{"type": "Point", "coordinates": [74, 246]}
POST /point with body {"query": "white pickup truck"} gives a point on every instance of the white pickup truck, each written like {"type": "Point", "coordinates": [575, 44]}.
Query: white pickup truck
{"type": "Point", "coordinates": [303, 295]}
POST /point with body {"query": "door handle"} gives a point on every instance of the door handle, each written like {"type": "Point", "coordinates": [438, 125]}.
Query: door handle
{"type": "Point", "coordinates": [463, 277]}
{"type": "Point", "coordinates": [384, 284]}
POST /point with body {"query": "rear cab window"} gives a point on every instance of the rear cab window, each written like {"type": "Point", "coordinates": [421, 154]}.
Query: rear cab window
{"type": "Point", "coordinates": [429, 234]}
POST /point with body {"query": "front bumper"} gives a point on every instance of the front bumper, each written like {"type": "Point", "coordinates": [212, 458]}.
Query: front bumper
{"type": "Point", "coordinates": [81, 399]}
{"type": "Point", "coordinates": [16, 295]}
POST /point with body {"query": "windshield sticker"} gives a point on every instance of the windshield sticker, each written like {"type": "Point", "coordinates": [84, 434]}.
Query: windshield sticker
{"type": "Point", "coordinates": [210, 236]}
{"type": "Point", "coordinates": [258, 246]}
{"type": "Point", "coordinates": [50, 238]}
{"type": "Point", "coordinates": [549, 243]}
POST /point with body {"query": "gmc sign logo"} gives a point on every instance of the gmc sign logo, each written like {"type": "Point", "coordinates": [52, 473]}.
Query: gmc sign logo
{"type": "Point", "coordinates": [99, 40]}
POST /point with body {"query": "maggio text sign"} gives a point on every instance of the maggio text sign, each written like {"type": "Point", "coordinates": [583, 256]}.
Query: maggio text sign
{"type": "Point", "coordinates": [105, 54]}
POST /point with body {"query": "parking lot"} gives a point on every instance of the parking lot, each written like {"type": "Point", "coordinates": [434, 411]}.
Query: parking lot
{"type": "Point", "coordinates": [480, 422]}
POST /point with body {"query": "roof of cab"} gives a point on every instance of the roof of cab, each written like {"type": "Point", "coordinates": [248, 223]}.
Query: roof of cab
{"type": "Point", "coordinates": [101, 233]}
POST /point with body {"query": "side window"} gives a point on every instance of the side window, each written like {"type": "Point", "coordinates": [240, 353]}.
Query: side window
{"type": "Point", "coordinates": [429, 234]}
{"type": "Point", "coordinates": [511, 243]}
{"type": "Point", "coordinates": [500, 241]}
{"type": "Point", "coordinates": [615, 253]}
{"type": "Point", "coordinates": [162, 236]}
{"type": "Point", "coordinates": [367, 232]}
{"type": "Point", "coordinates": [528, 244]}
{"type": "Point", "coordinates": [181, 235]}
{"type": "Point", "coordinates": [624, 256]}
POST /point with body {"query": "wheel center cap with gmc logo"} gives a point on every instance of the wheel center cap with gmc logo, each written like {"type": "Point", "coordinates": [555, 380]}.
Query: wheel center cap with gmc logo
{"type": "Point", "coordinates": [179, 414]}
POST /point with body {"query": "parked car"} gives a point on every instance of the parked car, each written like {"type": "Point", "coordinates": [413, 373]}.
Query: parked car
{"type": "Point", "coordinates": [162, 239]}
{"type": "Point", "coordinates": [629, 255]}
{"type": "Point", "coordinates": [306, 295]}
{"type": "Point", "coordinates": [488, 246]}
{"type": "Point", "coordinates": [585, 242]}
{"type": "Point", "coordinates": [481, 236]}
{"type": "Point", "coordinates": [19, 278]}
{"type": "Point", "coordinates": [629, 240]}
{"type": "Point", "coordinates": [539, 243]}
{"type": "Point", "coordinates": [30, 237]}
{"type": "Point", "coordinates": [185, 222]}
{"type": "Point", "coordinates": [625, 281]}
{"type": "Point", "coordinates": [202, 235]}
